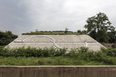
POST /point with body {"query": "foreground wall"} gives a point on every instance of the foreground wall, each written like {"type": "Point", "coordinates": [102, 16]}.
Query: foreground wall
{"type": "Point", "coordinates": [57, 71]}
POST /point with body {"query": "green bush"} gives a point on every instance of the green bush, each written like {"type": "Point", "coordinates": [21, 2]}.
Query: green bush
{"type": "Point", "coordinates": [6, 37]}
{"type": "Point", "coordinates": [103, 57]}
{"type": "Point", "coordinates": [28, 52]}
{"type": "Point", "coordinates": [109, 51]}
{"type": "Point", "coordinates": [1, 47]}
{"type": "Point", "coordinates": [106, 56]}
{"type": "Point", "coordinates": [83, 49]}
{"type": "Point", "coordinates": [73, 52]}
{"type": "Point", "coordinates": [82, 53]}
{"type": "Point", "coordinates": [51, 33]}
{"type": "Point", "coordinates": [76, 51]}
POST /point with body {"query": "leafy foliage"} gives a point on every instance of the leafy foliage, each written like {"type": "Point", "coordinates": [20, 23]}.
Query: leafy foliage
{"type": "Point", "coordinates": [53, 32]}
{"type": "Point", "coordinates": [106, 56]}
{"type": "Point", "coordinates": [6, 37]}
{"type": "Point", "coordinates": [98, 26]}
{"type": "Point", "coordinates": [32, 52]}
{"type": "Point", "coordinates": [112, 37]}
{"type": "Point", "coordinates": [66, 30]}
{"type": "Point", "coordinates": [82, 31]}
{"type": "Point", "coordinates": [52, 56]}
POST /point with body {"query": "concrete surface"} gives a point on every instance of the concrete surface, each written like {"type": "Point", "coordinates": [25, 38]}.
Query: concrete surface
{"type": "Point", "coordinates": [57, 71]}
{"type": "Point", "coordinates": [58, 41]}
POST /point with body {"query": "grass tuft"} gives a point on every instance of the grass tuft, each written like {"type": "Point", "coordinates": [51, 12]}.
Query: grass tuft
{"type": "Point", "coordinates": [53, 56]}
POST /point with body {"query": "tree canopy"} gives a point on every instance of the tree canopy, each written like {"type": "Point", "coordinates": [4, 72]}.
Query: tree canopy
{"type": "Point", "coordinates": [6, 37]}
{"type": "Point", "coordinates": [97, 27]}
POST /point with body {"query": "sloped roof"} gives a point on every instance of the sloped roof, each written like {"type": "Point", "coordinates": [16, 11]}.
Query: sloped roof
{"type": "Point", "coordinates": [58, 41]}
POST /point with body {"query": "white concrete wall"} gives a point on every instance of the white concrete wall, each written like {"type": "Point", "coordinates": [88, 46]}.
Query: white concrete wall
{"type": "Point", "coordinates": [68, 41]}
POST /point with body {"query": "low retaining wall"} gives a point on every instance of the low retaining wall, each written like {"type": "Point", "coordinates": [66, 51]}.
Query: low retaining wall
{"type": "Point", "coordinates": [110, 45]}
{"type": "Point", "coordinates": [57, 71]}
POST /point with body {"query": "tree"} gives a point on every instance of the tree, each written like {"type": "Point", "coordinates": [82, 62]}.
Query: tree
{"type": "Point", "coordinates": [97, 27]}
{"type": "Point", "coordinates": [6, 37]}
{"type": "Point", "coordinates": [81, 32]}
{"type": "Point", "coordinates": [66, 30]}
{"type": "Point", "coordinates": [112, 37]}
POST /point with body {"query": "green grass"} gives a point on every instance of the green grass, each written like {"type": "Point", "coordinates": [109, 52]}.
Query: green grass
{"type": "Point", "coordinates": [27, 61]}
{"type": "Point", "coordinates": [52, 33]}
{"type": "Point", "coordinates": [51, 56]}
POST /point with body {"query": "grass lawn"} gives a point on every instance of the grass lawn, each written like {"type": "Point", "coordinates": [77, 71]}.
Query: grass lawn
{"type": "Point", "coordinates": [33, 56]}
{"type": "Point", "coordinates": [27, 61]}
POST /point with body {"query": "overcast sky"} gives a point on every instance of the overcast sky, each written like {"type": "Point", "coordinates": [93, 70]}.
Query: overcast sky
{"type": "Point", "coordinates": [20, 16]}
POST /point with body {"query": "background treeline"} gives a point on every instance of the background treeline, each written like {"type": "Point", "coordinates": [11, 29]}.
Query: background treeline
{"type": "Point", "coordinates": [6, 37]}
{"type": "Point", "coordinates": [98, 27]}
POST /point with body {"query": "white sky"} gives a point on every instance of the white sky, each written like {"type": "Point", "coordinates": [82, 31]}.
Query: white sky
{"type": "Point", "coordinates": [21, 16]}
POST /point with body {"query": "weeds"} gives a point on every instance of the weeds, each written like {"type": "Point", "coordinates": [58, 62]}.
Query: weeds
{"type": "Point", "coordinates": [76, 56]}
{"type": "Point", "coordinates": [33, 52]}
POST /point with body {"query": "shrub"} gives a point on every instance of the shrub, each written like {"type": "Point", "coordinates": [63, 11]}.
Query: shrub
{"type": "Point", "coordinates": [73, 52]}
{"type": "Point", "coordinates": [82, 53]}
{"type": "Point", "coordinates": [102, 57]}
{"type": "Point", "coordinates": [83, 49]}
{"type": "Point", "coordinates": [109, 51]}
{"type": "Point", "coordinates": [6, 37]}
{"type": "Point", "coordinates": [28, 52]}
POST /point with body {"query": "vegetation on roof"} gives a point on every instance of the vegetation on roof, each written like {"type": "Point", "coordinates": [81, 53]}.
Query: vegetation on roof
{"type": "Point", "coordinates": [54, 32]}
